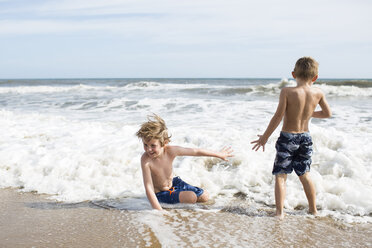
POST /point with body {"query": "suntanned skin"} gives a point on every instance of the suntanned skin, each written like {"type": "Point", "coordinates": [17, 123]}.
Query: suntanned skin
{"type": "Point", "coordinates": [296, 105]}
{"type": "Point", "coordinates": [157, 169]}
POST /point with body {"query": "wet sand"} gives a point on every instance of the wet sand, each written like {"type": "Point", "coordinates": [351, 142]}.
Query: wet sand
{"type": "Point", "coordinates": [32, 220]}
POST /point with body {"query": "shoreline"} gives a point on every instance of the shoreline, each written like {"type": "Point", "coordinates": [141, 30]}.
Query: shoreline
{"type": "Point", "coordinates": [32, 220]}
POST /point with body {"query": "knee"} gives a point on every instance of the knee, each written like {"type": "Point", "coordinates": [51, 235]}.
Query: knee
{"type": "Point", "coordinates": [188, 197]}
{"type": "Point", "coordinates": [281, 178]}
{"type": "Point", "coordinates": [204, 197]}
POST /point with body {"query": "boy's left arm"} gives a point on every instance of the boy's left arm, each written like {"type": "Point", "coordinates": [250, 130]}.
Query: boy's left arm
{"type": "Point", "coordinates": [225, 153]}
{"type": "Point", "coordinates": [325, 109]}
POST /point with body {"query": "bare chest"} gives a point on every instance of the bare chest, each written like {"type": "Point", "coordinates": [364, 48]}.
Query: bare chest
{"type": "Point", "coordinates": [162, 175]}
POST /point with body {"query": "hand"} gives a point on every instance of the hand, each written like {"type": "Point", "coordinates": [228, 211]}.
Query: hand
{"type": "Point", "coordinates": [260, 142]}
{"type": "Point", "coordinates": [225, 153]}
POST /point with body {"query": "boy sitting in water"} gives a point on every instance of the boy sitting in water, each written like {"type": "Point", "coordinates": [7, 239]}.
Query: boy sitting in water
{"type": "Point", "coordinates": [157, 169]}
{"type": "Point", "coordinates": [294, 146]}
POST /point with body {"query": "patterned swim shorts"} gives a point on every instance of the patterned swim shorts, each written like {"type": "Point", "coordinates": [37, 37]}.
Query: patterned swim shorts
{"type": "Point", "coordinates": [293, 152]}
{"type": "Point", "coordinates": [172, 195]}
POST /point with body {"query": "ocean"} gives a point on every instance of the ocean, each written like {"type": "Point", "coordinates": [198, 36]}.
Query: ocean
{"type": "Point", "coordinates": [74, 140]}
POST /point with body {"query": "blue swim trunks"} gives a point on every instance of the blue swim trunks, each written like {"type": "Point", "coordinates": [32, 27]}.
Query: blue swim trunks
{"type": "Point", "coordinates": [172, 195]}
{"type": "Point", "coordinates": [293, 152]}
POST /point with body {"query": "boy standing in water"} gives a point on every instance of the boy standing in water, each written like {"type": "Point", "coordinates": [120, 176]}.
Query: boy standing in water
{"type": "Point", "coordinates": [157, 169]}
{"type": "Point", "coordinates": [294, 146]}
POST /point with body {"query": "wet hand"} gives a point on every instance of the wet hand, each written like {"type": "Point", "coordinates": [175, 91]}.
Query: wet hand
{"type": "Point", "coordinates": [258, 143]}
{"type": "Point", "coordinates": [226, 152]}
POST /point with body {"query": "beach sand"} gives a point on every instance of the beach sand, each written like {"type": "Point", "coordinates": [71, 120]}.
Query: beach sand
{"type": "Point", "coordinates": [33, 220]}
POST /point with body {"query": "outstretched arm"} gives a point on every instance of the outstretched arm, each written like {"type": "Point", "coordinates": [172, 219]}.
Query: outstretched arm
{"type": "Point", "coordinates": [326, 110]}
{"type": "Point", "coordinates": [225, 153]}
{"type": "Point", "coordinates": [275, 121]}
{"type": "Point", "coordinates": [149, 187]}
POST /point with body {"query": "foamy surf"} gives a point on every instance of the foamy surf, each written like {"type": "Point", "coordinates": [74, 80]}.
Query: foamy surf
{"type": "Point", "coordinates": [79, 145]}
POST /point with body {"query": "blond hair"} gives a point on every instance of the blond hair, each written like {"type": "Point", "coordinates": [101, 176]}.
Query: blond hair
{"type": "Point", "coordinates": [306, 68]}
{"type": "Point", "coordinates": [154, 128]}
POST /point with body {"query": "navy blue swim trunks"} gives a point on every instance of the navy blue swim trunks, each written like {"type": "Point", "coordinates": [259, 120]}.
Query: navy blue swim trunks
{"type": "Point", "coordinates": [293, 152]}
{"type": "Point", "coordinates": [172, 195]}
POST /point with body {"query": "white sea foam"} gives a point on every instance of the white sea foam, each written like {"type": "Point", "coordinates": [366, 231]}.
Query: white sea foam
{"type": "Point", "coordinates": [79, 145]}
{"type": "Point", "coordinates": [85, 160]}
{"type": "Point", "coordinates": [49, 89]}
{"type": "Point", "coordinates": [72, 160]}
{"type": "Point", "coordinates": [329, 90]}
{"type": "Point", "coordinates": [146, 86]}
{"type": "Point", "coordinates": [345, 91]}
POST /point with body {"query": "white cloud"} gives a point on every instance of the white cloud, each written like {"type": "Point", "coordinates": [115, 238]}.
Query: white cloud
{"type": "Point", "coordinates": [182, 21]}
{"type": "Point", "coordinates": [230, 28]}
{"type": "Point", "coordinates": [198, 21]}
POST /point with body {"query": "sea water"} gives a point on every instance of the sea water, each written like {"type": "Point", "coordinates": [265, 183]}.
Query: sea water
{"type": "Point", "coordinates": [74, 139]}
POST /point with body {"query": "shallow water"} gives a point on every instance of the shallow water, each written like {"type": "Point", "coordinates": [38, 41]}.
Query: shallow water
{"type": "Point", "coordinates": [74, 140]}
{"type": "Point", "coordinates": [31, 220]}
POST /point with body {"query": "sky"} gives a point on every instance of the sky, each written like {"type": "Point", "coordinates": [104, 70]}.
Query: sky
{"type": "Point", "coordinates": [183, 38]}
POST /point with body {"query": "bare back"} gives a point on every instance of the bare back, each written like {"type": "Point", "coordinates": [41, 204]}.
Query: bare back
{"type": "Point", "coordinates": [301, 102]}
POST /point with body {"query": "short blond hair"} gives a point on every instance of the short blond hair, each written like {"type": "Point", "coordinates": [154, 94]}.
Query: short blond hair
{"type": "Point", "coordinates": [154, 128]}
{"type": "Point", "coordinates": [306, 68]}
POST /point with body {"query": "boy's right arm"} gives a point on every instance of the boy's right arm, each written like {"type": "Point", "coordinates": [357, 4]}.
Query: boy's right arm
{"type": "Point", "coordinates": [149, 187]}
{"type": "Point", "coordinates": [275, 121]}
{"type": "Point", "coordinates": [326, 110]}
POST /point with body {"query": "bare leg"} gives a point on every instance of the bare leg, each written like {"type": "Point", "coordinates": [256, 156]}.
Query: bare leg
{"type": "Point", "coordinates": [280, 189]}
{"type": "Point", "coordinates": [188, 197]}
{"type": "Point", "coordinates": [203, 197]}
{"type": "Point", "coordinates": [309, 189]}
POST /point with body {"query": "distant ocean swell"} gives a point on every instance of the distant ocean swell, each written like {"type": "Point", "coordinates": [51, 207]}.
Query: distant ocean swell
{"type": "Point", "coordinates": [331, 88]}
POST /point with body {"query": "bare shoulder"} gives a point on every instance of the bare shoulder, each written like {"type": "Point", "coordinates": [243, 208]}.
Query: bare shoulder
{"type": "Point", "coordinates": [171, 150]}
{"type": "Point", "coordinates": [145, 160]}
{"type": "Point", "coordinates": [174, 151]}
{"type": "Point", "coordinates": [317, 91]}
{"type": "Point", "coordinates": [285, 90]}
{"type": "Point", "coordinates": [288, 91]}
